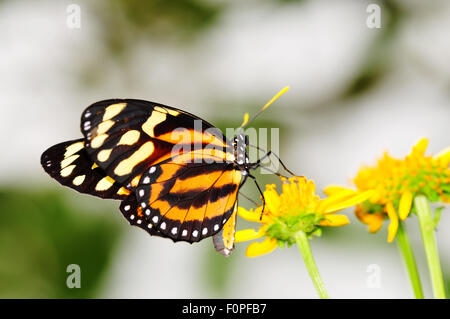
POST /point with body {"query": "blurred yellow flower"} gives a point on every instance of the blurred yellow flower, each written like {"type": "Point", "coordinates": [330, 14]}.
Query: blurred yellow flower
{"type": "Point", "coordinates": [396, 182]}
{"type": "Point", "coordinates": [296, 209]}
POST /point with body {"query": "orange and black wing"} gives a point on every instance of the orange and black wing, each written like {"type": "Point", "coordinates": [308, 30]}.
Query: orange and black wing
{"type": "Point", "coordinates": [134, 214]}
{"type": "Point", "coordinates": [187, 194]}
{"type": "Point", "coordinates": [125, 136]}
{"type": "Point", "coordinates": [70, 165]}
{"type": "Point", "coordinates": [188, 201]}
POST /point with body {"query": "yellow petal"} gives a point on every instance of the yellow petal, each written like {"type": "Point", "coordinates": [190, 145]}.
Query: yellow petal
{"type": "Point", "coordinates": [351, 201]}
{"type": "Point", "coordinates": [257, 249]}
{"type": "Point", "coordinates": [334, 189]}
{"type": "Point", "coordinates": [248, 234]}
{"type": "Point", "coordinates": [335, 220]}
{"type": "Point", "coordinates": [374, 221]}
{"type": "Point", "coordinates": [393, 226]}
{"type": "Point", "coordinates": [335, 198]}
{"type": "Point", "coordinates": [272, 199]}
{"type": "Point", "coordinates": [405, 205]}
{"type": "Point", "coordinates": [250, 215]}
{"type": "Point", "coordinates": [420, 147]}
{"type": "Point", "coordinates": [443, 157]}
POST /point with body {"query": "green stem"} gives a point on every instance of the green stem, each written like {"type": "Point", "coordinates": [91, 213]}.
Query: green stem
{"type": "Point", "coordinates": [408, 257]}
{"type": "Point", "coordinates": [427, 225]}
{"type": "Point", "coordinates": [305, 250]}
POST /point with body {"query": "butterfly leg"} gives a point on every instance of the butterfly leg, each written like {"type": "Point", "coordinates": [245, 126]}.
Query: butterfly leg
{"type": "Point", "coordinates": [248, 198]}
{"type": "Point", "coordinates": [269, 153]}
{"type": "Point", "coordinates": [282, 164]}
{"type": "Point", "coordinates": [262, 195]}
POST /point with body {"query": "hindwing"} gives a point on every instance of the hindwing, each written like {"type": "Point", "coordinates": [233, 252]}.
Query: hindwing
{"type": "Point", "coordinates": [188, 201]}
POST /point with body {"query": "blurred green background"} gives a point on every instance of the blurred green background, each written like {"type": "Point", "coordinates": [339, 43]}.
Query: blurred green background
{"type": "Point", "coordinates": [355, 92]}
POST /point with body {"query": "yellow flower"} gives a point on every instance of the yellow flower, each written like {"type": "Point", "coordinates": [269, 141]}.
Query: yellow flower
{"type": "Point", "coordinates": [396, 182]}
{"type": "Point", "coordinates": [297, 208]}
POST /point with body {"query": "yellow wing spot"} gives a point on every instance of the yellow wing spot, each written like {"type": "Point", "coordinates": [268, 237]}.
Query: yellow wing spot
{"type": "Point", "coordinates": [103, 155]}
{"type": "Point", "coordinates": [72, 149]}
{"type": "Point", "coordinates": [94, 166]}
{"type": "Point", "coordinates": [103, 127]}
{"type": "Point", "coordinates": [129, 138]}
{"type": "Point", "coordinates": [123, 191]}
{"type": "Point", "coordinates": [113, 110]}
{"type": "Point", "coordinates": [67, 161]}
{"type": "Point", "coordinates": [98, 140]}
{"type": "Point", "coordinates": [104, 184]}
{"type": "Point", "coordinates": [160, 109]}
{"type": "Point", "coordinates": [77, 181]}
{"type": "Point", "coordinates": [173, 112]}
{"type": "Point", "coordinates": [135, 181]}
{"type": "Point", "coordinates": [126, 166]}
{"type": "Point", "coordinates": [67, 171]}
{"type": "Point", "coordinates": [156, 118]}
{"type": "Point", "coordinates": [164, 110]}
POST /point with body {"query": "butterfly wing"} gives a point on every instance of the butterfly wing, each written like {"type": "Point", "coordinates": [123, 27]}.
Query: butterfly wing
{"type": "Point", "coordinates": [125, 136]}
{"type": "Point", "coordinates": [133, 213]}
{"type": "Point", "coordinates": [70, 165]}
{"type": "Point", "coordinates": [130, 143]}
{"type": "Point", "coordinates": [188, 201]}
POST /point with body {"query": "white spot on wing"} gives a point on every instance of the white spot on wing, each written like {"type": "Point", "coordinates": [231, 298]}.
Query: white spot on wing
{"type": "Point", "coordinates": [146, 180]}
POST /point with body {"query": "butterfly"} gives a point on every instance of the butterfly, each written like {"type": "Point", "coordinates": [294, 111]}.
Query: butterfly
{"type": "Point", "coordinates": [176, 175]}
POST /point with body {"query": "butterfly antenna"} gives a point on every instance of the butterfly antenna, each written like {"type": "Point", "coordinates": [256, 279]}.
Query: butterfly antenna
{"type": "Point", "coordinates": [246, 116]}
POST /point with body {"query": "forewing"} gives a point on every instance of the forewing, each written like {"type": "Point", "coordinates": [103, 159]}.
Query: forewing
{"type": "Point", "coordinates": [70, 165]}
{"type": "Point", "coordinates": [125, 137]}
